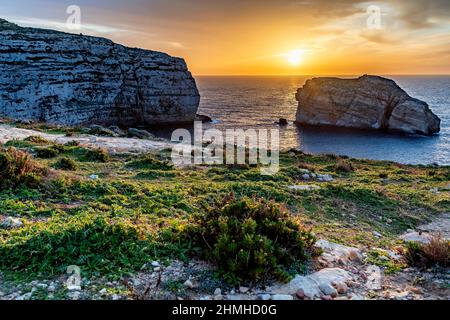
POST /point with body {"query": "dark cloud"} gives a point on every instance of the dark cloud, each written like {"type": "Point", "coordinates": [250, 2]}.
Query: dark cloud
{"type": "Point", "coordinates": [421, 14]}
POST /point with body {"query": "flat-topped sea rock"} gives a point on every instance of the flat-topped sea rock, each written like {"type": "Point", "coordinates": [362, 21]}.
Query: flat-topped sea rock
{"type": "Point", "coordinates": [368, 102]}
{"type": "Point", "coordinates": [72, 79]}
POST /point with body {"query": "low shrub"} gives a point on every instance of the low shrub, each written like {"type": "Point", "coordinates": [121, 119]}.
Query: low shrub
{"type": "Point", "coordinates": [98, 131]}
{"type": "Point", "coordinates": [96, 155]}
{"type": "Point", "coordinates": [18, 167]}
{"type": "Point", "coordinates": [155, 174]}
{"type": "Point", "coordinates": [307, 166]}
{"type": "Point", "coordinates": [150, 162]}
{"type": "Point", "coordinates": [343, 166]}
{"type": "Point", "coordinates": [46, 153]}
{"type": "Point", "coordinates": [251, 240]}
{"type": "Point", "coordinates": [436, 252]}
{"type": "Point", "coordinates": [66, 164]}
{"type": "Point", "coordinates": [20, 144]}
{"type": "Point", "coordinates": [72, 143]}
{"type": "Point", "coordinates": [37, 140]}
{"type": "Point", "coordinates": [383, 175]}
{"type": "Point", "coordinates": [331, 156]}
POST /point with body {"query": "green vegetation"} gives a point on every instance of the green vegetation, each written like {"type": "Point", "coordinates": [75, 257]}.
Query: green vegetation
{"type": "Point", "coordinates": [48, 152]}
{"type": "Point", "coordinates": [382, 259]}
{"type": "Point", "coordinates": [99, 155]}
{"type": "Point", "coordinates": [66, 164]}
{"type": "Point", "coordinates": [251, 239]}
{"type": "Point", "coordinates": [37, 140]}
{"type": "Point", "coordinates": [151, 162]}
{"type": "Point", "coordinates": [94, 243]}
{"type": "Point", "coordinates": [140, 208]}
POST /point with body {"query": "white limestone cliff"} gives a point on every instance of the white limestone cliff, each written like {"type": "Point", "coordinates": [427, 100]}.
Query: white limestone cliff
{"type": "Point", "coordinates": [71, 79]}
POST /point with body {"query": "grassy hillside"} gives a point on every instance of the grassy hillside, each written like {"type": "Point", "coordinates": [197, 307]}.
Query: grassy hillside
{"type": "Point", "coordinates": [110, 214]}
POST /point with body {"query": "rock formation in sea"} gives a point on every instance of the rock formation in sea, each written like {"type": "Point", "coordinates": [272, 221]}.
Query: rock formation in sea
{"type": "Point", "coordinates": [72, 79]}
{"type": "Point", "coordinates": [368, 102]}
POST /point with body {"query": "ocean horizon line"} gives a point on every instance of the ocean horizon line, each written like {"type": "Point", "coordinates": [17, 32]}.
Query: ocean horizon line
{"type": "Point", "coordinates": [323, 75]}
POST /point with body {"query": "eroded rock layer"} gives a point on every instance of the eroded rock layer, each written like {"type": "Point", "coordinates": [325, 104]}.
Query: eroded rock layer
{"type": "Point", "coordinates": [368, 102]}
{"type": "Point", "coordinates": [71, 79]}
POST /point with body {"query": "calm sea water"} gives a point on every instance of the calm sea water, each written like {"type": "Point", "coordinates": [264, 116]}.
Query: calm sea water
{"type": "Point", "coordinates": [257, 102]}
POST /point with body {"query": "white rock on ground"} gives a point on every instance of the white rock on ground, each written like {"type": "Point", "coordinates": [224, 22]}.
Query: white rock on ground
{"type": "Point", "coordinates": [11, 223]}
{"type": "Point", "coordinates": [188, 284]}
{"type": "Point", "coordinates": [155, 264]}
{"type": "Point", "coordinates": [243, 289]}
{"type": "Point", "coordinates": [415, 236]}
{"type": "Point", "coordinates": [304, 187]}
{"type": "Point", "coordinates": [311, 284]}
{"type": "Point", "coordinates": [264, 296]}
{"type": "Point", "coordinates": [282, 297]}
{"type": "Point", "coordinates": [439, 225]}
{"type": "Point", "coordinates": [328, 289]}
{"type": "Point", "coordinates": [374, 278]}
{"type": "Point", "coordinates": [234, 297]}
{"type": "Point", "coordinates": [334, 252]}
{"type": "Point", "coordinates": [324, 178]}
{"type": "Point", "coordinates": [377, 234]}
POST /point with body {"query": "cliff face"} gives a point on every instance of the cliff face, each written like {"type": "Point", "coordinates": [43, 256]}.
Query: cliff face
{"type": "Point", "coordinates": [71, 79]}
{"type": "Point", "coordinates": [369, 102]}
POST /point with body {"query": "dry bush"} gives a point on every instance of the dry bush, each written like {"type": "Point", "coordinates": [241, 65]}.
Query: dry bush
{"type": "Point", "coordinates": [343, 166]}
{"type": "Point", "coordinates": [436, 252]}
{"type": "Point", "coordinates": [18, 167]}
{"type": "Point", "coordinates": [307, 166]}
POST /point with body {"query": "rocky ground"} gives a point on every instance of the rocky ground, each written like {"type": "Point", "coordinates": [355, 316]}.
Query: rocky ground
{"type": "Point", "coordinates": [113, 144]}
{"type": "Point", "coordinates": [343, 273]}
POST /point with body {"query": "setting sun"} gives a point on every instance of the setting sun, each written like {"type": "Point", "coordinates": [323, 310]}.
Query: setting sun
{"type": "Point", "coordinates": [295, 57]}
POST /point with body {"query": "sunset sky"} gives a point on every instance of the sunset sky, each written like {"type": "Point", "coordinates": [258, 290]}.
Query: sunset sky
{"type": "Point", "coordinates": [270, 37]}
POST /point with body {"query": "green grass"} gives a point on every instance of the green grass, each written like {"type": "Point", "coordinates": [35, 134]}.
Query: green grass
{"type": "Point", "coordinates": [382, 259]}
{"type": "Point", "coordinates": [138, 207]}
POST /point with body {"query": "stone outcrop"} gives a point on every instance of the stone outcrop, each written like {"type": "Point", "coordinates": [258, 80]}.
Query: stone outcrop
{"type": "Point", "coordinates": [72, 79]}
{"type": "Point", "coordinates": [368, 102]}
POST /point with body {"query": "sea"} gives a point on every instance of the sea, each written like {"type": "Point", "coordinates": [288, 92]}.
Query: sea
{"type": "Point", "coordinates": [258, 102]}
{"type": "Point", "coordinates": [242, 102]}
